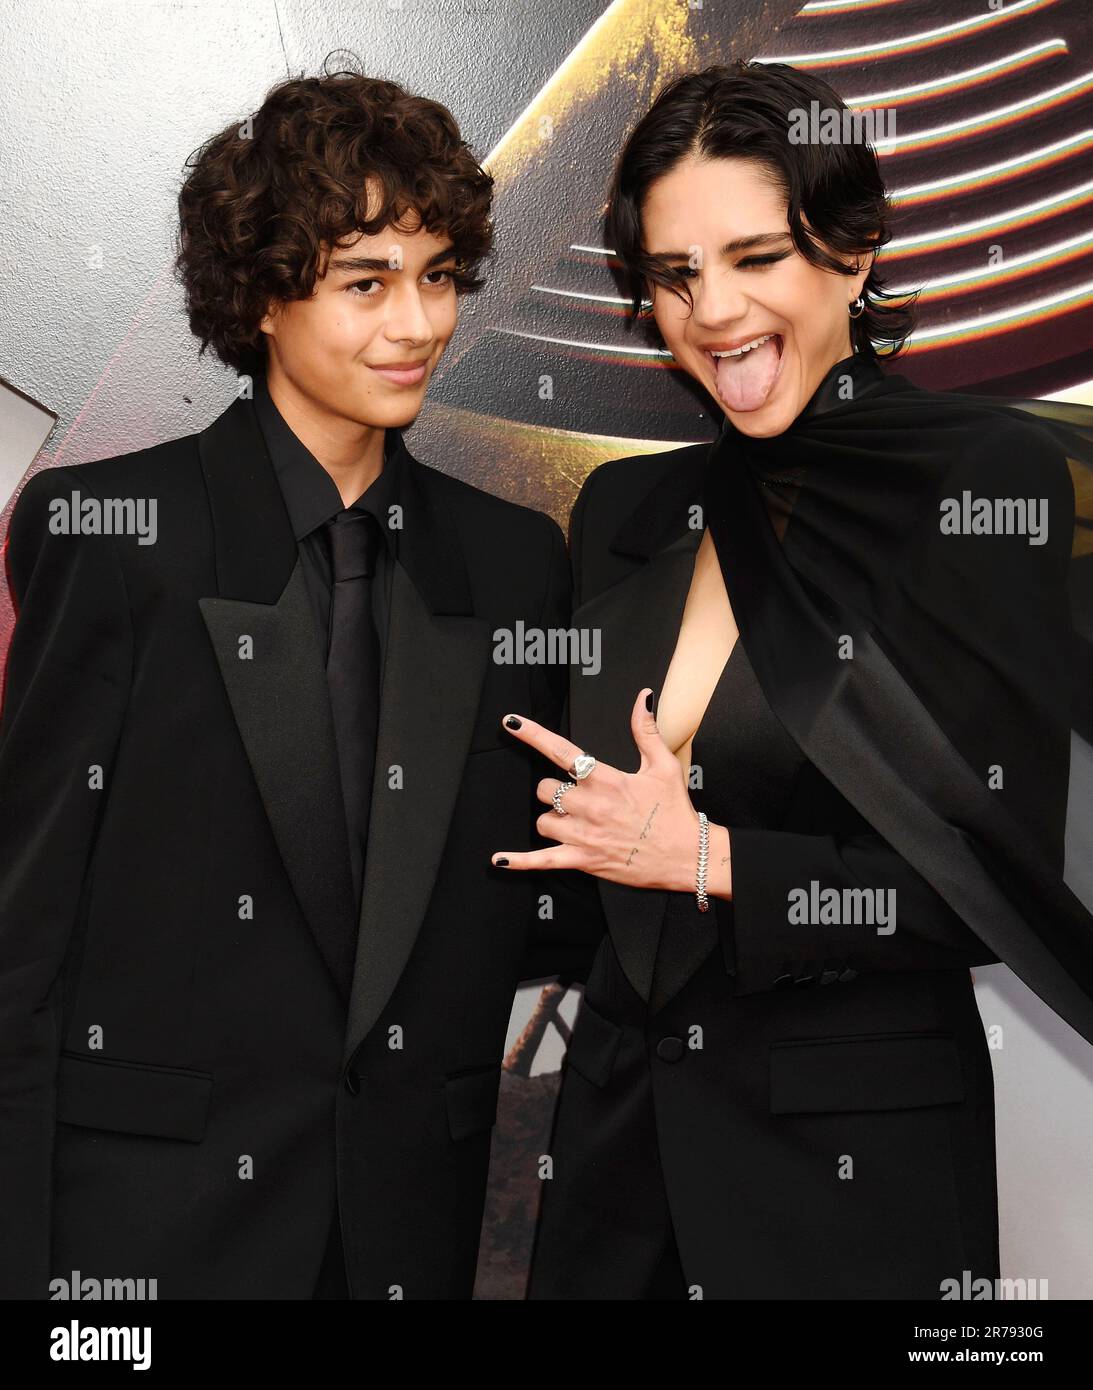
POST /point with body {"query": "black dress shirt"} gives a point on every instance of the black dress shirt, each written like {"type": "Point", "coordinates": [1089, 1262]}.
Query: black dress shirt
{"type": "Point", "coordinates": [312, 498]}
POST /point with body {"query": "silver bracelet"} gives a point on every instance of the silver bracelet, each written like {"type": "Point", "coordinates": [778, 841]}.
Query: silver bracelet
{"type": "Point", "coordinates": [703, 862]}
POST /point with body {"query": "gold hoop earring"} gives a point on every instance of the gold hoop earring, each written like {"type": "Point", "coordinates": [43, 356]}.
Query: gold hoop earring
{"type": "Point", "coordinates": [860, 303]}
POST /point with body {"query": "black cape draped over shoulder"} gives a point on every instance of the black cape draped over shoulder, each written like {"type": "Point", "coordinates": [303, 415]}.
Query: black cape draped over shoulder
{"type": "Point", "coordinates": [893, 651]}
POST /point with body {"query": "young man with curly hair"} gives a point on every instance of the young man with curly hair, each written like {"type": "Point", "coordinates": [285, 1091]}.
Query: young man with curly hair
{"type": "Point", "coordinates": [255, 964]}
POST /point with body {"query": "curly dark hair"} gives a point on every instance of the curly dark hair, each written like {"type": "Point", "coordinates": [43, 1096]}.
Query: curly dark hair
{"type": "Point", "coordinates": [743, 111]}
{"type": "Point", "coordinates": [265, 202]}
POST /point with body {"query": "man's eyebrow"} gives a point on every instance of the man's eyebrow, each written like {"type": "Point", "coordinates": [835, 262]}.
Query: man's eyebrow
{"type": "Point", "coordinates": [730, 248]}
{"type": "Point", "coordinates": [358, 263]}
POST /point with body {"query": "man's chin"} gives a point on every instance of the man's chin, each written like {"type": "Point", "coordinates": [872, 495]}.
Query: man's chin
{"type": "Point", "coordinates": [389, 415]}
{"type": "Point", "coordinates": [399, 418]}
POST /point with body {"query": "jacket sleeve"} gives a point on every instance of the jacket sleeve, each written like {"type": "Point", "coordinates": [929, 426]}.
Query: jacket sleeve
{"type": "Point", "coordinates": [68, 674]}
{"type": "Point", "coordinates": [568, 919]}
{"type": "Point", "coordinates": [770, 941]}
{"type": "Point", "coordinates": [990, 627]}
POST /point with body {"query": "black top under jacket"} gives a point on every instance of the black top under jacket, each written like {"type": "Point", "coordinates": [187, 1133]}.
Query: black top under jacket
{"type": "Point", "coordinates": [312, 499]}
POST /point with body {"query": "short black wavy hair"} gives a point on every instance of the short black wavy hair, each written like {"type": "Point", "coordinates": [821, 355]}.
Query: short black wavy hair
{"type": "Point", "coordinates": [263, 198]}
{"type": "Point", "coordinates": [742, 111]}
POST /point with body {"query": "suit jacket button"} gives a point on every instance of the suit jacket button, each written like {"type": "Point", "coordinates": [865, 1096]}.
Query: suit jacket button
{"type": "Point", "coordinates": [352, 1081]}
{"type": "Point", "coordinates": [785, 979]}
{"type": "Point", "coordinates": [670, 1049]}
{"type": "Point", "coordinates": [827, 976]}
{"type": "Point", "coordinates": [848, 974]}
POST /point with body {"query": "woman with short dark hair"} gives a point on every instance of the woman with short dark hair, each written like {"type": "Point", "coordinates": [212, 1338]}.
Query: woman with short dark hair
{"type": "Point", "coordinates": [859, 755]}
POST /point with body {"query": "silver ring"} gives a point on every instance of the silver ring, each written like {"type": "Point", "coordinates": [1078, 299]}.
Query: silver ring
{"type": "Point", "coordinates": [560, 791]}
{"type": "Point", "coordinates": [582, 767]}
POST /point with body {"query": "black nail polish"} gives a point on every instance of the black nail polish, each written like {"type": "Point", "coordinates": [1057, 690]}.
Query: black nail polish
{"type": "Point", "coordinates": [513, 723]}
{"type": "Point", "coordinates": [501, 863]}
{"type": "Point", "coordinates": [649, 702]}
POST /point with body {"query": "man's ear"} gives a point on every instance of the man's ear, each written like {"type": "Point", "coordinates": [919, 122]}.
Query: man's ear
{"type": "Point", "coordinates": [269, 319]}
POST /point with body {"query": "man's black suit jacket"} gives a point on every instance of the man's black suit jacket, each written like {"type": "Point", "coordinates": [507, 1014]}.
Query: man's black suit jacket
{"type": "Point", "coordinates": [190, 1071]}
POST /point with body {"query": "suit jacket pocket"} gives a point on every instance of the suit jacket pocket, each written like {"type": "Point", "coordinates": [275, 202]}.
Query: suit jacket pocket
{"type": "Point", "coordinates": [472, 1101]}
{"type": "Point", "coordinates": [874, 1071]}
{"type": "Point", "coordinates": [594, 1046]}
{"type": "Point", "coordinates": [133, 1097]}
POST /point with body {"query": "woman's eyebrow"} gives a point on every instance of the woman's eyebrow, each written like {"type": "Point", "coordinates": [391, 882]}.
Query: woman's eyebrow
{"type": "Point", "coordinates": [730, 248]}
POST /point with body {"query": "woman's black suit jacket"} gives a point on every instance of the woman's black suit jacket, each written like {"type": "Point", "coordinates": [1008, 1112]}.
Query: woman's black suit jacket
{"type": "Point", "coordinates": [833, 1134]}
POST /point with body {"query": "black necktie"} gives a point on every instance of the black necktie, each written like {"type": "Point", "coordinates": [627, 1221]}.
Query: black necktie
{"type": "Point", "coordinates": [352, 670]}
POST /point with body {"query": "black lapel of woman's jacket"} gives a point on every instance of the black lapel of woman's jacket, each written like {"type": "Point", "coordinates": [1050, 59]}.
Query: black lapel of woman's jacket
{"type": "Point", "coordinates": [638, 620]}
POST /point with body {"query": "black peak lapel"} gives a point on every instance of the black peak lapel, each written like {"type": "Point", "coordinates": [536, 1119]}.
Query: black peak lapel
{"type": "Point", "coordinates": [428, 545]}
{"type": "Point", "coordinates": [255, 548]}
{"type": "Point", "coordinates": [639, 619]}
{"type": "Point", "coordinates": [263, 633]}
{"type": "Point", "coordinates": [664, 514]}
{"type": "Point", "coordinates": [437, 656]}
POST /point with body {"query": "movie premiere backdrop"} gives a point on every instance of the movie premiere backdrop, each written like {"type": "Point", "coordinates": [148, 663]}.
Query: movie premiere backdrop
{"type": "Point", "coordinates": [985, 143]}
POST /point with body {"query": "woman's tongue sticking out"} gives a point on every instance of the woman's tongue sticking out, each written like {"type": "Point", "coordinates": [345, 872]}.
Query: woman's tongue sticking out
{"type": "Point", "coordinates": [745, 381]}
